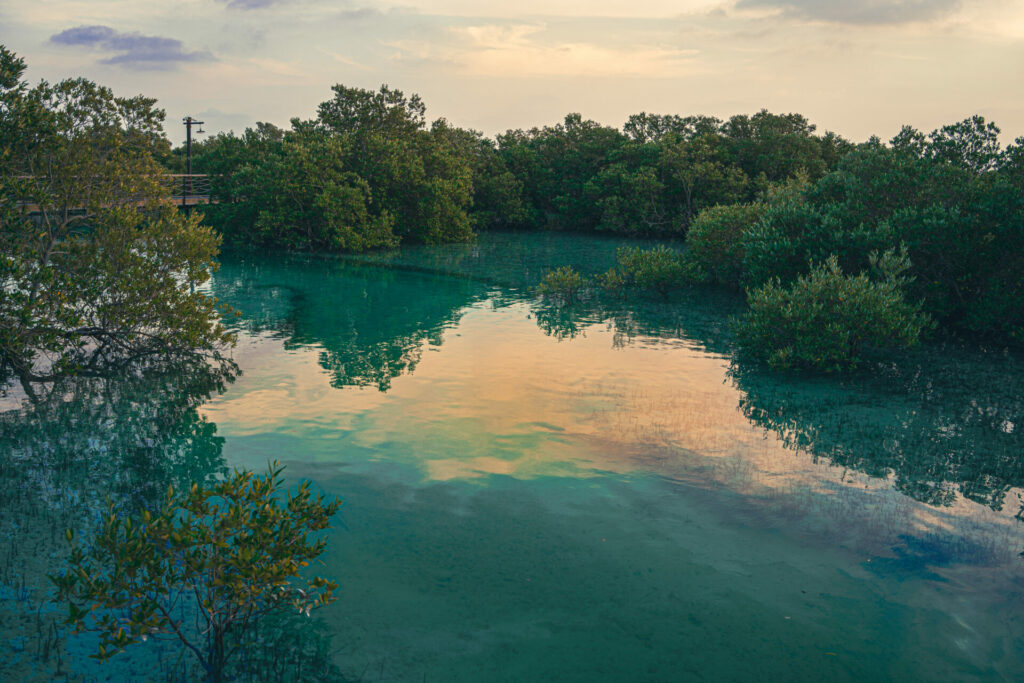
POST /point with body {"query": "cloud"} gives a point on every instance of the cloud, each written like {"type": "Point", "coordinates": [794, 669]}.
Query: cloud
{"type": "Point", "coordinates": [249, 4]}
{"type": "Point", "coordinates": [84, 35]}
{"type": "Point", "coordinates": [857, 11]}
{"type": "Point", "coordinates": [519, 51]}
{"type": "Point", "coordinates": [357, 14]}
{"type": "Point", "coordinates": [342, 59]}
{"type": "Point", "coordinates": [215, 120]}
{"type": "Point", "coordinates": [340, 9]}
{"type": "Point", "coordinates": [136, 50]}
{"type": "Point", "coordinates": [278, 67]}
{"type": "Point", "coordinates": [636, 9]}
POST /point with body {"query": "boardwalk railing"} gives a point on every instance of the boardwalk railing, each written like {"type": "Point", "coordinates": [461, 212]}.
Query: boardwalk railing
{"type": "Point", "coordinates": [183, 189]}
{"type": "Point", "coordinates": [189, 190]}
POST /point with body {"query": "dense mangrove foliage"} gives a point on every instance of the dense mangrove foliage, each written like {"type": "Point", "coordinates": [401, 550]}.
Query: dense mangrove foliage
{"type": "Point", "coordinates": [953, 200]}
{"type": "Point", "coordinates": [97, 268]}
{"type": "Point", "coordinates": [944, 214]}
{"type": "Point", "coordinates": [368, 172]}
{"type": "Point", "coordinates": [763, 203]}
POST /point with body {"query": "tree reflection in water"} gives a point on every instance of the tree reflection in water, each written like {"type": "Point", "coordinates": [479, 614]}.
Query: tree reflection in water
{"type": "Point", "coordinates": [66, 447]}
{"type": "Point", "coordinates": [941, 423]}
{"type": "Point", "coordinates": [698, 315]}
{"type": "Point", "coordinates": [369, 323]}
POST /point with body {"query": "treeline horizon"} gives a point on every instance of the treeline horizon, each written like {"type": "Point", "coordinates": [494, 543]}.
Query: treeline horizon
{"type": "Point", "coordinates": [774, 202]}
{"type": "Point", "coordinates": [650, 178]}
{"type": "Point", "coordinates": [177, 148]}
{"type": "Point", "coordinates": [364, 148]}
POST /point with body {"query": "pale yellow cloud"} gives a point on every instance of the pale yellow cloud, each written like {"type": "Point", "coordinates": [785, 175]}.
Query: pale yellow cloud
{"type": "Point", "coordinates": [562, 8]}
{"type": "Point", "coordinates": [342, 59]}
{"type": "Point", "coordinates": [277, 67]}
{"type": "Point", "coordinates": [997, 18]}
{"type": "Point", "coordinates": [520, 51]}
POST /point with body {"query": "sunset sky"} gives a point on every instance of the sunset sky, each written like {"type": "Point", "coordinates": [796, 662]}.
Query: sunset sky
{"type": "Point", "coordinates": [857, 67]}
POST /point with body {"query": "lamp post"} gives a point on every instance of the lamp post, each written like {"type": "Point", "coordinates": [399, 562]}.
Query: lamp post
{"type": "Point", "coordinates": [186, 186]}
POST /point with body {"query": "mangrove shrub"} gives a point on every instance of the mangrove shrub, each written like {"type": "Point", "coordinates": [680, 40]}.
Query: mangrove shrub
{"type": "Point", "coordinates": [829, 321]}
{"type": "Point", "coordinates": [229, 553]}
{"type": "Point", "coordinates": [714, 243]}
{"type": "Point", "coordinates": [563, 283]}
{"type": "Point", "coordinates": [660, 269]}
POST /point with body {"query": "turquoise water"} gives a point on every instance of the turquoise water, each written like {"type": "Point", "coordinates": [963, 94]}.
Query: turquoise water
{"type": "Point", "coordinates": [587, 493]}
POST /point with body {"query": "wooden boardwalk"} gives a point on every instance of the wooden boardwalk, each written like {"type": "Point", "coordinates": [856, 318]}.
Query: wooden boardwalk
{"type": "Point", "coordinates": [186, 191]}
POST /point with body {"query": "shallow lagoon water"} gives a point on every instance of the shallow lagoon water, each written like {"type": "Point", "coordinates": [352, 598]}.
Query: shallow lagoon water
{"type": "Point", "coordinates": [598, 493]}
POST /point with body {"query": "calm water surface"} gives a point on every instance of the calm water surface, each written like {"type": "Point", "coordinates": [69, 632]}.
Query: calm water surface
{"type": "Point", "coordinates": [583, 493]}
